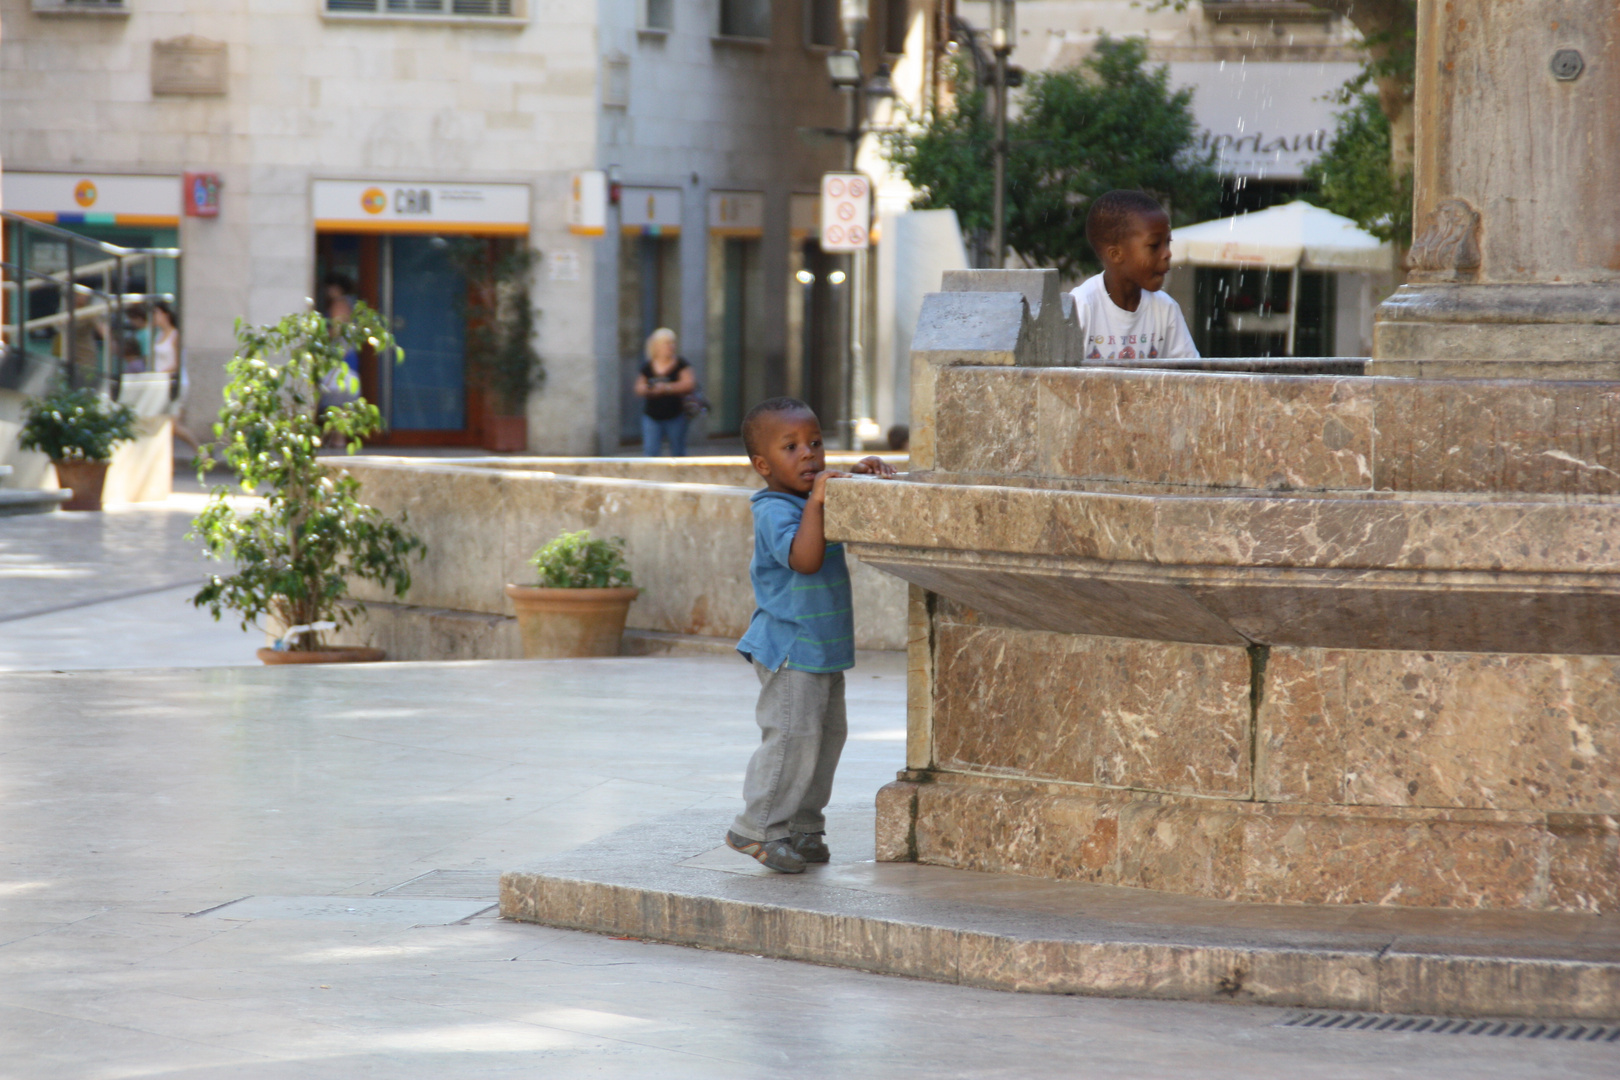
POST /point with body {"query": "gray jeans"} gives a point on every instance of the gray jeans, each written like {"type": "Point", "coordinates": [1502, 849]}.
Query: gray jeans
{"type": "Point", "coordinates": [802, 729]}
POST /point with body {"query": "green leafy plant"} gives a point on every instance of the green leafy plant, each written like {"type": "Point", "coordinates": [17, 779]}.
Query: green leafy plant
{"type": "Point", "coordinates": [76, 425]}
{"type": "Point", "coordinates": [1353, 176]}
{"type": "Point", "coordinates": [296, 554]}
{"type": "Point", "coordinates": [501, 357]}
{"type": "Point", "coordinates": [1111, 123]}
{"type": "Point", "coordinates": [575, 561]}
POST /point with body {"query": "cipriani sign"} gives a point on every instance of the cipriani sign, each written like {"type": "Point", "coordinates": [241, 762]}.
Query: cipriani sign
{"type": "Point", "coordinates": [1265, 121]}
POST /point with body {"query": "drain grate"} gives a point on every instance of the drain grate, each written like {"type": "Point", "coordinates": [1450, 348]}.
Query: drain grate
{"type": "Point", "coordinates": [1570, 1031]}
{"type": "Point", "coordinates": [450, 885]}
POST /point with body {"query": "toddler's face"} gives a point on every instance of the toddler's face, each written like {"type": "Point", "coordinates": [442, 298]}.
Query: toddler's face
{"type": "Point", "coordinates": [1143, 257]}
{"type": "Point", "coordinates": [790, 452]}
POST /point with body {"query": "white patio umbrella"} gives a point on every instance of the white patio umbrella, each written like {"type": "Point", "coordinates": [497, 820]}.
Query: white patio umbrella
{"type": "Point", "coordinates": [1295, 236]}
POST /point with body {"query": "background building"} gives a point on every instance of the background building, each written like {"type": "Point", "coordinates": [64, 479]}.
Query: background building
{"type": "Point", "coordinates": [380, 140]}
{"type": "Point", "coordinates": [367, 138]}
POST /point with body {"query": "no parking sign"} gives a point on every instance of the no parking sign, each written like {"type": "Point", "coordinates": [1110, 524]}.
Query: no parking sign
{"type": "Point", "coordinates": [846, 212]}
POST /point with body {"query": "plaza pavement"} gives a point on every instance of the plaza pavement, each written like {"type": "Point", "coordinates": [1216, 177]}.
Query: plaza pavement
{"type": "Point", "coordinates": [212, 869]}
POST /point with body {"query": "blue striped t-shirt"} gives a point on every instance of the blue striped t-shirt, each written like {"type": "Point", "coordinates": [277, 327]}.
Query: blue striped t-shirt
{"type": "Point", "coordinates": [805, 621]}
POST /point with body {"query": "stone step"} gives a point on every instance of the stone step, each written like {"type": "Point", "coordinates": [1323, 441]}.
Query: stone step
{"type": "Point", "coordinates": [670, 882]}
{"type": "Point", "coordinates": [31, 502]}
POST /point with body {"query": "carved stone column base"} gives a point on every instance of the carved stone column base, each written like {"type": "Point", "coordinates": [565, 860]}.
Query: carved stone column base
{"type": "Point", "coordinates": [1520, 331]}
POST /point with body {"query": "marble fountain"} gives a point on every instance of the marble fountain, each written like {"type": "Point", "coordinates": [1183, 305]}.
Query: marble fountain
{"type": "Point", "coordinates": [1291, 634]}
{"type": "Point", "coordinates": [1269, 637]}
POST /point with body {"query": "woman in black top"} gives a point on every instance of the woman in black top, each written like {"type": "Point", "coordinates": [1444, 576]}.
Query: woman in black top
{"type": "Point", "coordinates": [664, 382]}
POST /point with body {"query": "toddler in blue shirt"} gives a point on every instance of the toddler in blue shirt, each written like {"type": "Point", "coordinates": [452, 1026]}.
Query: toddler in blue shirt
{"type": "Point", "coordinates": [801, 640]}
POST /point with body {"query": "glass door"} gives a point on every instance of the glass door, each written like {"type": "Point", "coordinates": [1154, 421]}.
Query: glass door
{"type": "Point", "coordinates": [428, 391]}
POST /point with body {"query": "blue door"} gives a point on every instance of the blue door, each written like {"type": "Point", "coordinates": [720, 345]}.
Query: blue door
{"type": "Point", "coordinates": [430, 387]}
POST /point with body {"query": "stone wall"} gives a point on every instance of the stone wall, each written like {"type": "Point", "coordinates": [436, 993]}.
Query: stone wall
{"type": "Point", "coordinates": [688, 544]}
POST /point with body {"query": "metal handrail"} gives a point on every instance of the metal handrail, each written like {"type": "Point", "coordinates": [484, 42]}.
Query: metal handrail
{"type": "Point", "coordinates": [107, 301]}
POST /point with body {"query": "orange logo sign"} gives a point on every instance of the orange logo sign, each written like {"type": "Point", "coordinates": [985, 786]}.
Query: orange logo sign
{"type": "Point", "coordinates": [84, 193]}
{"type": "Point", "coordinates": [373, 201]}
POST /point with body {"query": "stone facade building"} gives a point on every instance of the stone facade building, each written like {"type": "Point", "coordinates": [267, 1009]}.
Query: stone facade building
{"type": "Point", "coordinates": [361, 136]}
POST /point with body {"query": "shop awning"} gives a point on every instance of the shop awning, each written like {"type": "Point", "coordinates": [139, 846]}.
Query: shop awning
{"type": "Point", "coordinates": [1294, 236]}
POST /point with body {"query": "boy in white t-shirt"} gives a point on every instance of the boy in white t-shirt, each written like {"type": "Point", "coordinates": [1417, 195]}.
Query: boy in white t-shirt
{"type": "Point", "coordinates": [1122, 313]}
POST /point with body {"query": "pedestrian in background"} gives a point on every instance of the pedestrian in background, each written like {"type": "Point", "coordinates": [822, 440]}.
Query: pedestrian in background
{"type": "Point", "coordinates": [665, 380]}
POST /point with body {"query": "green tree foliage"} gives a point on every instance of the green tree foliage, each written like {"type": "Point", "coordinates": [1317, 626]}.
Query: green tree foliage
{"type": "Point", "coordinates": [1353, 176]}
{"type": "Point", "coordinates": [76, 425]}
{"type": "Point", "coordinates": [295, 555]}
{"type": "Point", "coordinates": [1111, 123]}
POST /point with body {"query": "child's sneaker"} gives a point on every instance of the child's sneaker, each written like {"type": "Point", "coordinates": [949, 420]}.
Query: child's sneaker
{"type": "Point", "coordinates": [810, 846]}
{"type": "Point", "coordinates": [776, 855]}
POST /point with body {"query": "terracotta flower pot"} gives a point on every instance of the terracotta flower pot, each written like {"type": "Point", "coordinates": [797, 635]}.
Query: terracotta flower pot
{"type": "Point", "coordinates": [506, 434]}
{"type": "Point", "coordinates": [570, 622]}
{"type": "Point", "coordinates": [85, 479]}
{"type": "Point", "coordinates": [346, 654]}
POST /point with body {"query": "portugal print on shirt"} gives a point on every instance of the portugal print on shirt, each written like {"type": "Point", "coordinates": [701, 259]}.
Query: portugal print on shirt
{"type": "Point", "coordinates": [1155, 329]}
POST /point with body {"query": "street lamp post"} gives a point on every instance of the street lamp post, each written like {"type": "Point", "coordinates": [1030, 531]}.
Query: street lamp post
{"type": "Point", "coordinates": [1001, 43]}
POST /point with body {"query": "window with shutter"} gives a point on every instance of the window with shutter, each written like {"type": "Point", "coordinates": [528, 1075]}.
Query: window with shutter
{"type": "Point", "coordinates": [81, 7]}
{"type": "Point", "coordinates": [896, 23]}
{"type": "Point", "coordinates": [470, 9]}
{"type": "Point", "coordinates": [750, 19]}
{"type": "Point", "coordinates": [658, 16]}
{"type": "Point", "coordinates": [821, 27]}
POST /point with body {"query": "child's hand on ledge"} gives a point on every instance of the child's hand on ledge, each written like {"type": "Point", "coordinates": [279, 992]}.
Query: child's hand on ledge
{"type": "Point", "coordinates": [875, 466]}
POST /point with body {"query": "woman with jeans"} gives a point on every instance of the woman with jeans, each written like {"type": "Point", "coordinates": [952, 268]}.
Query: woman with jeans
{"type": "Point", "coordinates": [663, 383]}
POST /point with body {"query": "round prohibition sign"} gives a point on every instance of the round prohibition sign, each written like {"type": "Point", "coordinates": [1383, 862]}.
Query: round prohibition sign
{"type": "Point", "coordinates": [857, 188]}
{"type": "Point", "coordinates": [846, 211]}
{"type": "Point", "coordinates": [857, 235]}
{"type": "Point", "coordinates": [835, 188]}
{"type": "Point", "coordinates": [835, 234]}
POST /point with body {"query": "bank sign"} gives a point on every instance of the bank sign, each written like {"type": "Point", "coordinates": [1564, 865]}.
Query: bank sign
{"type": "Point", "coordinates": [393, 206]}
{"type": "Point", "coordinates": [1267, 120]}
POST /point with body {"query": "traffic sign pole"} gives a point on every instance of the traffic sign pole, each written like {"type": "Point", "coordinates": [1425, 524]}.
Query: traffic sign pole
{"type": "Point", "coordinates": [846, 226]}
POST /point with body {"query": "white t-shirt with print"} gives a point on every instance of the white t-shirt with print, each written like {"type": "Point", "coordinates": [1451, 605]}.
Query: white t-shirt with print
{"type": "Point", "coordinates": [1155, 330]}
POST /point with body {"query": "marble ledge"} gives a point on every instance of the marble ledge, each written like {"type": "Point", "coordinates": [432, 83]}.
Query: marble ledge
{"type": "Point", "coordinates": [1281, 432]}
{"type": "Point", "coordinates": [1198, 530]}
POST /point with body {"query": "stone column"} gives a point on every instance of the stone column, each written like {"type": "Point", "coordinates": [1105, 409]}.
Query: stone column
{"type": "Point", "coordinates": [1515, 263]}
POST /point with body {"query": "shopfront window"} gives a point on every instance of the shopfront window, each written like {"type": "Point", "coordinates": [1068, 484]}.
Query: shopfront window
{"type": "Point", "coordinates": [420, 284]}
{"type": "Point", "coordinates": [736, 352]}
{"type": "Point", "coordinates": [420, 254]}
{"type": "Point", "coordinates": [1246, 313]}
{"type": "Point", "coordinates": [649, 298]}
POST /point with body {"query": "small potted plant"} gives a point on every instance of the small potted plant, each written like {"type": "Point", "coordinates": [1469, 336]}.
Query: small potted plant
{"type": "Point", "coordinates": [580, 604]}
{"type": "Point", "coordinates": [296, 554]}
{"type": "Point", "coordinates": [77, 430]}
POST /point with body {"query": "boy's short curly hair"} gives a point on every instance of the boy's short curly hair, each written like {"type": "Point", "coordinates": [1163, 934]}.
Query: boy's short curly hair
{"type": "Point", "coordinates": [1112, 213]}
{"type": "Point", "coordinates": [770, 407]}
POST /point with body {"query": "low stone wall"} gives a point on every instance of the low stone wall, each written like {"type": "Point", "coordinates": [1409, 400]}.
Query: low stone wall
{"type": "Point", "coordinates": [688, 544]}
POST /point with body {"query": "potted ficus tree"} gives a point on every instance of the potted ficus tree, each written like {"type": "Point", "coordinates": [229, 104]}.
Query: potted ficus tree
{"type": "Point", "coordinates": [579, 606]}
{"type": "Point", "coordinates": [502, 362]}
{"type": "Point", "coordinates": [78, 430]}
{"type": "Point", "coordinates": [296, 554]}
